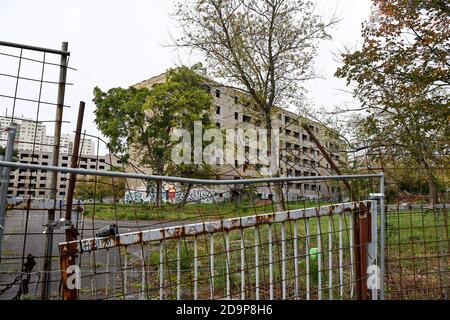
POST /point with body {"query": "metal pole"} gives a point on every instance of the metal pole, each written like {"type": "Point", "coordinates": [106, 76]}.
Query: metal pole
{"type": "Point", "coordinates": [5, 181]}
{"type": "Point", "coordinates": [382, 225]}
{"type": "Point", "coordinates": [68, 256]}
{"type": "Point", "coordinates": [209, 182]}
{"type": "Point", "coordinates": [74, 162]}
{"type": "Point", "coordinates": [373, 248]}
{"type": "Point", "coordinates": [52, 186]}
{"type": "Point", "coordinates": [33, 48]}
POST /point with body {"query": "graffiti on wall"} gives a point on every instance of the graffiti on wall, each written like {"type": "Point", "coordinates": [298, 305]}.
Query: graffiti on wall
{"type": "Point", "coordinates": [169, 195]}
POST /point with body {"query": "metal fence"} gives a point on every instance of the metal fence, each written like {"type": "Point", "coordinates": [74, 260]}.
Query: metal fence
{"type": "Point", "coordinates": [33, 81]}
{"type": "Point", "coordinates": [229, 249]}
{"type": "Point", "coordinates": [298, 254]}
{"type": "Point", "coordinates": [209, 239]}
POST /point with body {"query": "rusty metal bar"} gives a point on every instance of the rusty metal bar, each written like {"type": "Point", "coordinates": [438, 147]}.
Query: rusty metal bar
{"type": "Point", "coordinates": [173, 232]}
{"type": "Point", "coordinates": [74, 164]}
{"type": "Point", "coordinates": [71, 233]}
{"type": "Point", "coordinates": [143, 276]}
{"type": "Point", "coordinates": [365, 239]}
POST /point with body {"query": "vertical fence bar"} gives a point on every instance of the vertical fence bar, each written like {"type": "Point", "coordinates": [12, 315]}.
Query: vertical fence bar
{"type": "Point", "coordinates": [161, 270]}
{"type": "Point", "coordinates": [211, 264]}
{"type": "Point", "coordinates": [125, 273]}
{"type": "Point", "coordinates": [374, 250]}
{"type": "Point", "coordinates": [71, 233]}
{"type": "Point", "coordinates": [107, 274]}
{"type": "Point", "coordinates": [195, 269]}
{"type": "Point", "coordinates": [256, 263]}
{"type": "Point", "coordinates": [330, 258]}
{"type": "Point", "coordinates": [91, 280]}
{"type": "Point", "coordinates": [228, 257]}
{"type": "Point", "coordinates": [296, 260]}
{"type": "Point", "coordinates": [52, 186]}
{"type": "Point", "coordinates": [5, 181]}
{"type": "Point", "coordinates": [242, 266]}
{"type": "Point", "coordinates": [270, 263]}
{"type": "Point", "coordinates": [179, 268]}
{"type": "Point", "coordinates": [352, 260]}
{"type": "Point", "coordinates": [382, 237]}
{"type": "Point", "coordinates": [308, 284]}
{"type": "Point", "coordinates": [341, 257]}
{"type": "Point", "coordinates": [283, 260]}
{"type": "Point", "coordinates": [319, 260]}
{"type": "Point", "coordinates": [143, 282]}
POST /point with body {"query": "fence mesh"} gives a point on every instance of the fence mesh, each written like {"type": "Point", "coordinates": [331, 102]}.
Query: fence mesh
{"type": "Point", "coordinates": [310, 257]}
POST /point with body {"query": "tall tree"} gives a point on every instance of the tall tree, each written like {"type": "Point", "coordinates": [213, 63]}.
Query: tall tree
{"type": "Point", "coordinates": [140, 121]}
{"type": "Point", "coordinates": [402, 77]}
{"type": "Point", "coordinates": [263, 47]}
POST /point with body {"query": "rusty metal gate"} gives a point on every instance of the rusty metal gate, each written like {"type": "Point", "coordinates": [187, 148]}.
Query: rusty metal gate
{"type": "Point", "coordinates": [308, 253]}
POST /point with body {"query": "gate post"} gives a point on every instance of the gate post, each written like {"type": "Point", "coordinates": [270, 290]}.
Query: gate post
{"type": "Point", "coordinates": [372, 255]}
{"type": "Point", "coordinates": [9, 153]}
{"type": "Point", "coordinates": [361, 227]}
{"type": "Point", "coordinates": [52, 185]}
{"type": "Point", "coordinates": [375, 261]}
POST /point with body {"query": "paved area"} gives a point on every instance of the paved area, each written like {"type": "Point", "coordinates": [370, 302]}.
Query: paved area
{"type": "Point", "coordinates": [16, 244]}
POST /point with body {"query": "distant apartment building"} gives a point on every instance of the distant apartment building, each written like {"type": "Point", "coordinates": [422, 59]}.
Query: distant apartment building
{"type": "Point", "coordinates": [32, 134]}
{"type": "Point", "coordinates": [34, 183]}
{"type": "Point", "coordinates": [299, 156]}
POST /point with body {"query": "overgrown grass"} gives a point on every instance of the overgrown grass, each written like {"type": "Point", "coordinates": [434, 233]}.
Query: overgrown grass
{"type": "Point", "coordinates": [172, 212]}
{"type": "Point", "coordinates": [417, 252]}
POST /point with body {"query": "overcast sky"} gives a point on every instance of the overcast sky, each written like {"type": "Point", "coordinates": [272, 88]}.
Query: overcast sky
{"type": "Point", "coordinates": [119, 43]}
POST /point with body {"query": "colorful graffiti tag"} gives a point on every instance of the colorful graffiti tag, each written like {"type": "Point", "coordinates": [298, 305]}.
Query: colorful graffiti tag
{"type": "Point", "coordinates": [170, 195]}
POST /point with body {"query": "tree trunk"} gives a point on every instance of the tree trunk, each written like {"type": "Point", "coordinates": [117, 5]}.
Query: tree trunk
{"type": "Point", "coordinates": [158, 194]}
{"type": "Point", "coordinates": [431, 180]}
{"type": "Point", "coordinates": [186, 195]}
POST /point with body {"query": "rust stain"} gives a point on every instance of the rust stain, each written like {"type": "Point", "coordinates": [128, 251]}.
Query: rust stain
{"type": "Point", "coordinates": [362, 210]}
{"type": "Point", "coordinates": [15, 205]}
{"type": "Point", "coordinates": [264, 218]}
{"type": "Point", "coordinates": [93, 245]}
